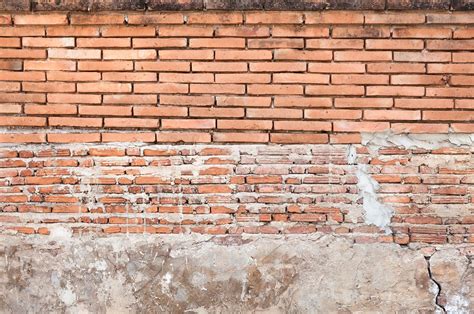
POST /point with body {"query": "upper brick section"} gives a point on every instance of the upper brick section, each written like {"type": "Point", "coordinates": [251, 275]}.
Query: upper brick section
{"type": "Point", "coordinates": [163, 5]}
{"type": "Point", "coordinates": [233, 77]}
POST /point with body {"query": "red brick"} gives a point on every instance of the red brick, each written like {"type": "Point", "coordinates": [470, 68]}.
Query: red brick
{"type": "Point", "coordinates": [334, 17]}
{"type": "Point", "coordinates": [332, 114]}
{"type": "Point", "coordinates": [360, 32]}
{"type": "Point", "coordinates": [135, 54]}
{"type": "Point", "coordinates": [243, 55]}
{"type": "Point", "coordinates": [159, 42]}
{"type": "Point", "coordinates": [394, 18]}
{"type": "Point", "coordinates": [390, 115]}
{"type": "Point", "coordinates": [304, 102]}
{"type": "Point", "coordinates": [58, 109]}
{"type": "Point", "coordinates": [73, 31]}
{"type": "Point", "coordinates": [217, 42]}
{"type": "Point", "coordinates": [421, 32]}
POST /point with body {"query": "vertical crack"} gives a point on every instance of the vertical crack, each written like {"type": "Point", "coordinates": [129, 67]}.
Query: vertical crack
{"type": "Point", "coordinates": [438, 285]}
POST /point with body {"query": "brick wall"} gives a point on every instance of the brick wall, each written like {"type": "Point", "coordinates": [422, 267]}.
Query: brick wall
{"type": "Point", "coordinates": [239, 122]}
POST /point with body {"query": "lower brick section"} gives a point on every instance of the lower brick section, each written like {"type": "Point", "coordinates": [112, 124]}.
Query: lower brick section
{"type": "Point", "coordinates": [427, 194]}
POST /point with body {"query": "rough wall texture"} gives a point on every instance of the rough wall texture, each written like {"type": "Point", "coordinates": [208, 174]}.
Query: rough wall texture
{"type": "Point", "coordinates": [236, 161]}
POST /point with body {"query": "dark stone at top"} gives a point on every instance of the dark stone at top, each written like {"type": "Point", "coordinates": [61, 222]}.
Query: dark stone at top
{"type": "Point", "coordinates": [281, 5]}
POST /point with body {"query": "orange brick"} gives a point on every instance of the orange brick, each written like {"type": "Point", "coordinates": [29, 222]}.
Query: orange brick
{"type": "Point", "coordinates": [243, 55]}
{"type": "Point", "coordinates": [360, 32]}
{"type": "Point", "coordinates": [74, 54]}
{"type": "Point", "coordinates": [73, 137]}
{"type": "Point", "coordinates": [156, 18]}
{"type": "Point", "coordinates": [363, 55]}
{"type": "Point", "coordinates": [217, 89]}
{"type": "Point", "coordinates": [395, 91]}
{"type": "Point", "coordinates": [79, 122]}
{"type": "Point", "coordinates": [187, 31]}
{"type": "Point", "coordinates": [335, 43]}
{"type": "Point", "coordinates": [105, 111]}
{"type": "Point", "coordinates": [187, 77]}
{"type": "Point", "coordinates": [275, 113]}
{"type": "Point", "coordinates": [419, 128]}
{"type": "Point", "coordinates": [334, 90]}
{"type": "Point", "coordinates": [240, 137]}
{"type": "Point", "coordinates": [215, 18]}
{"type": "Point", "coordinates": [50, 65]}
{"type": "Point", "coordinates": [188, 54]}
{"type": "Point", "coordinates": [48, 42]}
{"type": "Point", "coordinates": [360, 79]}
{"type": "Point", "coordinates": [97, 19]}
{"type": "Point", "coordinates": [422, 56]}
{"type": "Point", "coordinates": [296, 138]}
{"type": "Point", "coordinates": [131, 123]}
{"type": "Point", "coordinates": [363, 102]}
{"type": "Point", "coordinates": [346, 126]}
{"type": "Point", "coordinates": [422, 32]}
{"type": "Point", "coordinates": [74, 99]}
{"type": "Point", "coordinates": [128, 31]}
{"type": "Point", "coordinates": [20, 31]}
{"type": "Point", "coordinates": [242, 31]}
{"type": "Point", "coordinates": [40, 19]}
{"type": "Point", "coordinates": [274, 17]}
{"type": "Point", "coordinates": [389, 115]}
{"type": "Point", "coordinates": [50, 109]}
{"type": "Point", "coordinates": [246, 101]}
{"type": "Point", "coordinates": [166, 66]}
{"type": "Point", "coordinates": [130, 99]}
{"type": "Point", "coordinates": [217, 43]}
{"type": "Point", "coordinates": [129, 77]}
{"type": "Point", "coordinates": [396, 68]}
{"type": "Point", "coordinates": [277, 66]}
{"type": "Point", "coordinates": [334, 17]}
{"type": "Point", "coordinates": [271, 43]}
{"type": "Point", "coordinates": [178, 124]}
{"type": "Point", "coordinates": [160, 111]}
{"type": "Point", "coordinates": [336, 67]}
{"type": "Point", "coordinates": [72, 31]}
{"type": "Point", "coordinates": [159, 42]}
{"type": "Point", "coordinates": [304, 102]}
{"type": "Point", "coordinates": [394, 44]}
{"type": "Point", "coordinates": [186, 137]}
{"type": "Point", "coordinates": [23, 54]}
{"type": "Point", "coordinates": [243, 78]}
{"type": "Point", "coordinates": [136, 54]}
{"type": "Point", "coordinates": [394, 18]}
{"type": "Point", "coordinates": [343, 138]}
{"type": "Point", "coordinates": [10, 42]}
{"type": "Point", "coordinates": [244, 124]}
{"type": "Point", "coordinates": [72, 76]}
{"type": "Point", "coordinates": [302, 126]}
{"type": "Point", "coordinates": [129, 137]}
{"type": "Point", "coordinates": [274, 89]}
{"type": "Point", "coordinates": [22, 138]}
{"type": "Point", "coordinates": [332, 114]}
{"type": "Point", "coordinates": [448, 115]}
{"type": "Point", "coordinates": [103, 42]}
{"type": "Point", "coordinates": [216, 112]}
{"type": "Point", "coordinates": [186, 100]}
{"type": "Point", "coordinates": [22, 121]}
{"type": "Point", "coordinates": [104, 87]}
{"type": "Point", "coordinates": [294, 54]}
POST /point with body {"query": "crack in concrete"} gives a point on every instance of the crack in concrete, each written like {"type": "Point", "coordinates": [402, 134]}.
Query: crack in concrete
{"type": "Point", "coordinates": [437, 284]}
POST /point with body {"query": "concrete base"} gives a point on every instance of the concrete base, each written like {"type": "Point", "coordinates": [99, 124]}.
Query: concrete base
{"type": "Point", "coordinates": [231, 274]}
